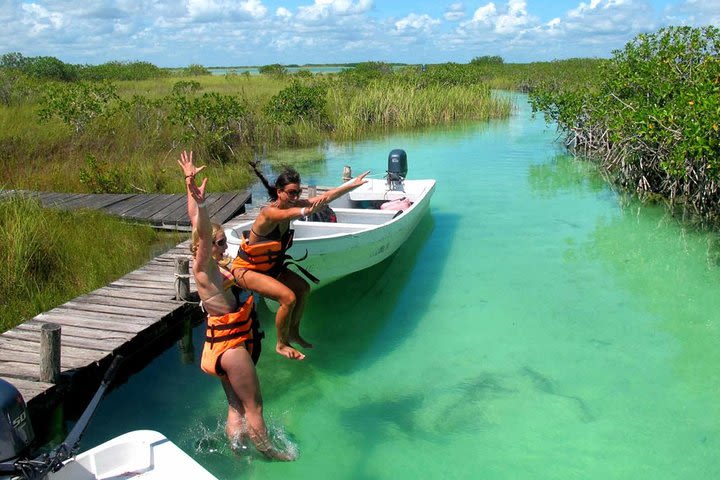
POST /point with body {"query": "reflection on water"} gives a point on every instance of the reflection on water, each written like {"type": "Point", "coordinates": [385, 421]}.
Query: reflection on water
{"type": "Point", "coordinates": [536, 325]}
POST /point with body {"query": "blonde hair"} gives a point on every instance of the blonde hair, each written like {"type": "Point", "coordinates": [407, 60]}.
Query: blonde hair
{"type": "Point", "coordinates": [195, 237]}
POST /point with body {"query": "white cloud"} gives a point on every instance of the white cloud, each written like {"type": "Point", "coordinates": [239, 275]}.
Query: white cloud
{"type": "Point", "coordinates": [695, 12]}
{"type": "Point", "coordinates": [515, 19]}
{"type": "Point", "coordinates": [222, 32]}
{"type": "Point", "coordinates": [416, 22]}
{"type": "Point", "coordinates": [454, 12]}
{"type": "Point", "coordinates": [324, 9]}
{"type": "Point", "coordinates": [217, 10]}
{"type": "Point", "coordinates": [283, 12]}
{"type": "Point", "coordinates": [38, 18]}
{"type": "Point", "coordinates": [484, 14]}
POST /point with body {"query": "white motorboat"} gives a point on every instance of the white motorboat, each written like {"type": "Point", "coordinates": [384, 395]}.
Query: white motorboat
{"type": "Point", "coordinates": [142, 454]}
{"type": "Point", "coordinates": [365, 233]}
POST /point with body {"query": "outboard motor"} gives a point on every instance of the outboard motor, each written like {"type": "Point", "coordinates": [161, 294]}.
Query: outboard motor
{"type": "Point", "coordinates": [397, 169]}
{"type": "Point", "coordinates": [16, 433]}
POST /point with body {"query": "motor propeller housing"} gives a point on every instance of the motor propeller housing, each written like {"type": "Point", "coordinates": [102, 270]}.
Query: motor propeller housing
{"type": "Point", "coordinates": [397, 169]}
{"type": "Point", "coordinates": [16, 432]}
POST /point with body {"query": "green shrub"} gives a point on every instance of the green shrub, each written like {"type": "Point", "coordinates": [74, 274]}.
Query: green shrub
{"type": "Point", "coordinates": [185, 86]}
{"type": "Point", "coordinates": [298, 102]}
{"type": "Point", "coordinates": [195, 70]}
{"type": "Point", "coordinates": [100, 177]}
{"type": "Point", "coordinates": [217, 123]}
{"type": "Point", "coordinates": [275, 70]}
{"type": "Point", "coordinates": [487, 60]}
{"type": "Point", "coordinates": [121, 71]}
{"type": "Point", "coordinates": [651, 116]}
{"type": "Point", "coordinates": [77, 104]}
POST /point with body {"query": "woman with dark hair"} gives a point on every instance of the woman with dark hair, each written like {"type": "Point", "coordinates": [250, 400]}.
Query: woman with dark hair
{"type": "Point", "coordinates": [260, 265]}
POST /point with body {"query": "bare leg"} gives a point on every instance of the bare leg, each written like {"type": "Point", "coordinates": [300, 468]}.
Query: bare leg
{"type": "Point", "coordinates": [301, 289]}
{"type": "Point", "coordinates": [234, 424]}
{"type": "Point", "coordinates": [269, 287]}
{"type": "Point", "coordinates": [245, 386]}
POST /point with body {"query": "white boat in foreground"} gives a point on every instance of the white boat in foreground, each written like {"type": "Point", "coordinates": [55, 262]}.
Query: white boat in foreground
{"type": "Point", "coordinates": [142, 454]}
{"type": "Point", "coordinates": [364, 235]}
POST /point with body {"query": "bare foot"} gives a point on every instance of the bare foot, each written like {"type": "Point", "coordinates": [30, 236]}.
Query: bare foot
{"type": "Point", "coordinates": [288, 351]}
{"type": "Point", "coordinates": [274, 454]}
{"type": "Point", "coordinates": [301, 341]}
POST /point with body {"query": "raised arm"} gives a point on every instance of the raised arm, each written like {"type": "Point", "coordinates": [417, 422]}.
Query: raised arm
{"type": "Point", "coordinates": [199, 218]}
{"type": "Point", "coordinates": [336, 192]}
{"type": "Point", "coordinates": [190, 170]}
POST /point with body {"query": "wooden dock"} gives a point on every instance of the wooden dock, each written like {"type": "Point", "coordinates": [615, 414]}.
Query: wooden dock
{"type": "Point", "coordinates": [120, 318]}
{"type": "Point", "coordinates": [165, 211]}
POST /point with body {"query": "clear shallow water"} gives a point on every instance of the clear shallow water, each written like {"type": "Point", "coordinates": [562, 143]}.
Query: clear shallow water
{"type": "Point", "coordinates": [535, 326]}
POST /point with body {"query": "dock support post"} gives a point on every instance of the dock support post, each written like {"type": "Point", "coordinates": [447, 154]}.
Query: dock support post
{"type": "Point", "coordinates": [50, 353]}
{"type": "Point", "coordinates": [182, 278]}
{"type": "Point", "coordinates": [187, 350]}
{"type": "Point", "coordinates": [347, 173]}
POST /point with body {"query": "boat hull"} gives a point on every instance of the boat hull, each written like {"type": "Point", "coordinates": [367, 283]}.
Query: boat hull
{"type": "Point", "coordinates": [141, 454]}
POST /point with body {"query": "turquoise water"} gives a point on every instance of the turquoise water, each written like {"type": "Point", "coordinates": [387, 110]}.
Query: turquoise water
{"type": "Point", "coordinates": [536, 325]}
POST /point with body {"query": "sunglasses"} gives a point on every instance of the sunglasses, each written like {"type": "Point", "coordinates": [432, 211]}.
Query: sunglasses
{"type": "Point", "coordinates": [292, 193]}
{"type": "Point", "coordinates": [220, 243]}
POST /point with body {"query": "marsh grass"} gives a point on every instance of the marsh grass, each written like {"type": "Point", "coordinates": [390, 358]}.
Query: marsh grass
{"type": "Point", "coordinates": [388, 106]}
{"type": "Point", "coordinates": [137, 141]}
{"type": "Point", "coordinates": [48, 257]}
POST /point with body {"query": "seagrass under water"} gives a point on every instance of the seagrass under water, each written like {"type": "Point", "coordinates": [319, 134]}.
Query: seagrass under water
{"type": "Point", "coordinates": [534, 326]}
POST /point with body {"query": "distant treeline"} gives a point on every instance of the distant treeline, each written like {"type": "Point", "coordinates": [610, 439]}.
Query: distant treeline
{"type": "Point", "coordinates": [51, 68]}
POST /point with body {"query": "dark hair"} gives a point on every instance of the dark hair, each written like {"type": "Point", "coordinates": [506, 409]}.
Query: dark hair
{"type": "Point", "coordinates": [289, 175]}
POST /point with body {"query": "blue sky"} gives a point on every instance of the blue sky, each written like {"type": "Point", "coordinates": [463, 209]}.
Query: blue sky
{"type": "Point", "coordinates": [258, 32]}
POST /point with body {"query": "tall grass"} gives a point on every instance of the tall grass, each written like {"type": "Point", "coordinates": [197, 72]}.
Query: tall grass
{"type": "Point", "coordinates": [48, 257]}
{"type": "Point", "coordinates": [394, 106]}
{"type": "Point", "coordinates": [136, 140]}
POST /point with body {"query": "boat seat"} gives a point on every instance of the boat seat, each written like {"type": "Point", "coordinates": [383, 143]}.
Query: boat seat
{"type": "Point", "coordinates": [363, 216]}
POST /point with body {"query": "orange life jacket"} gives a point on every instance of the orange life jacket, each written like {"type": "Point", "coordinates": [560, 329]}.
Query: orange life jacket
{"type": "Point", "coordinates": [229, 331]}
{"type": "Point", "coordinates": [267, 256]}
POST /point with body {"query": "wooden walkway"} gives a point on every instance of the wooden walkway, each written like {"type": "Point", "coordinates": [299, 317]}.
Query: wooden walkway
{"type": "Point", "coordinates": [120, 318]}
{"type": "Point", "coordinates": [165, 211]}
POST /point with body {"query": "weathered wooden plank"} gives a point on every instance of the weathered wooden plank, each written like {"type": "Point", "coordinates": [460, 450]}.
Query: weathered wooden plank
{"type": "Point", "coordinates": [232, 208]}
{"type": "Point", "coordinates": [28, 389]}
{"type": "Point", "coordinates": [162, 279]}
{"type": "Point", "coordinates": [150, 285]}
{"type": "Point", "coordinates": [155, 304]}
{"type": "Point", "coordinates": [102, 344]}
{"type": "Point", "coordinates": [137, 294]}
{"type": "Point", "coordinates": [173, 210]}
{"type": "Point", "coordinates": [129, 312]}
{"type": "Point", "coordinates": [97, 201]}
{"type": "Point", "coordinates": [150, 208]}
{"type": "Point", "coordinates": [90, 325]}
{"type": "Point", "coordinates": [96, 320]}
{"type": "Point", "coordinates": [22, 370]}
{"type": "Point", "coordinates": [33, 358]}
{"type": "Point", "coordinates": [61, 200]}
{"type": "Point", "coordinates": [121, 208]}
{"type": "Point", "coordinates": [21, 346]}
